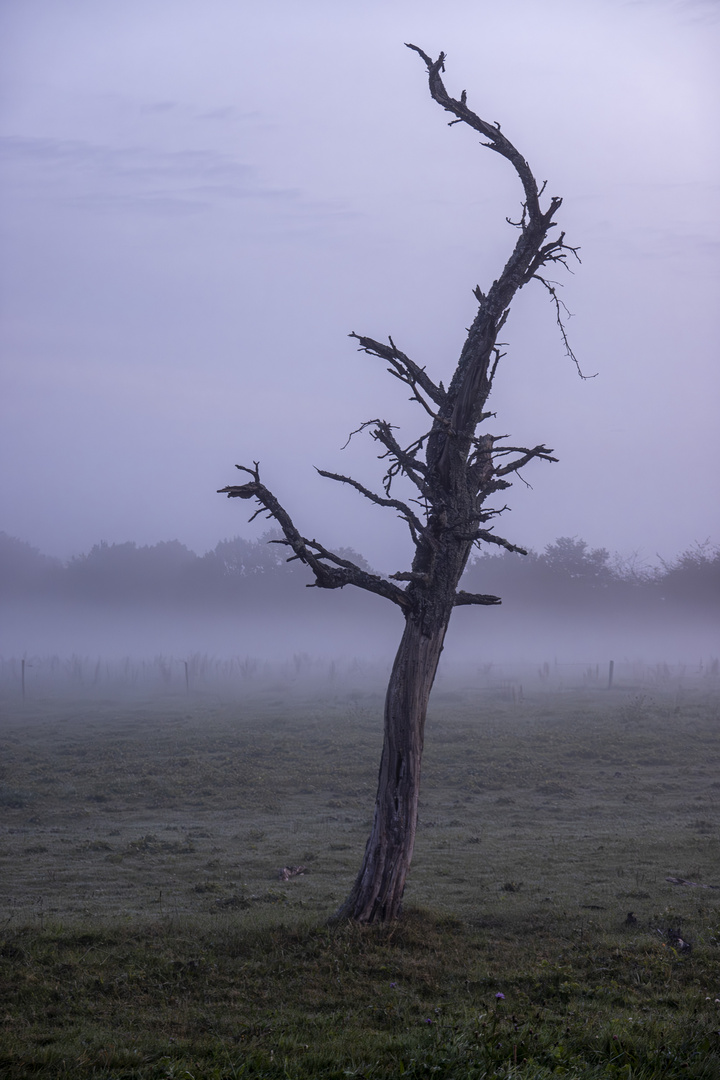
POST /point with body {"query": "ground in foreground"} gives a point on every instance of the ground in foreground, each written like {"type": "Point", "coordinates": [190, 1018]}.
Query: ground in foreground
{"type": "Point", "coordinates": [146, 933]}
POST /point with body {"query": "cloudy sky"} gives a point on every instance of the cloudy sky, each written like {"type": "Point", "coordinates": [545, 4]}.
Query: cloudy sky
{"type": "Point", "coordinates": [201, 199]}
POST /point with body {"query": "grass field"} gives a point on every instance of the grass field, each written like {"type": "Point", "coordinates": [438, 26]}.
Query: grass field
{"type": "Point", "coordinates": [146, 931]}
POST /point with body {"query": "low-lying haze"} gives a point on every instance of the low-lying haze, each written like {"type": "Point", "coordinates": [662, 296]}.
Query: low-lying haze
{"type": "Point", "coordinates": [244, 603]}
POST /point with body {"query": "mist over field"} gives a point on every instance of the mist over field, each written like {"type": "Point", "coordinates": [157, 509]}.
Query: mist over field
{"type": "Point", "coordinates": [352, 627]}
{"type": "Point", "coordinates": [570, 605]}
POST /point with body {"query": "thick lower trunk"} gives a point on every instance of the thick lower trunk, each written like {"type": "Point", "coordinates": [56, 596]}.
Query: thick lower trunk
{"type": "Point", "coordinates": [378, 890]}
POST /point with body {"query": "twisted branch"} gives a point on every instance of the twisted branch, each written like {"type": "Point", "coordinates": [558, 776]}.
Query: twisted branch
{"type": "Point", "coordinates": [541, 452]}
{"type": "Point", "coordinates": [414, 523]}
{"type": "Point", "coordinates": [496, 139]}
{"type": "Point", "coordinates": [404, 461]}
{"type": "Point", "coordinates": [405, 369]}
{"type": "Point", "coordinates": [343, 573]}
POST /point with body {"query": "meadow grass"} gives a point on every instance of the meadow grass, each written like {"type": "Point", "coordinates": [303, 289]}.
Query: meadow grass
{"type": "Point", "coordinates": [146, 932]}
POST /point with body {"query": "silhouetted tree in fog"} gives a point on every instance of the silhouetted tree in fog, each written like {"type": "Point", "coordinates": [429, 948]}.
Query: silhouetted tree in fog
{"type": "Point", "coordinates": [573, 559]}
{"type": "Point", "coordinates": [23, 569]}
{"type": "Point", "coordinates": [128, 572]}
{"type": "Point", "coordinates": [693, 578]}
{"type": "Point", "coordinates": [567, 574]}
{"type": "Point", "coordinates": [454, 469]}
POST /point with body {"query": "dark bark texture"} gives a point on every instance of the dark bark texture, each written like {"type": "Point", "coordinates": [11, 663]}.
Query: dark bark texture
{"type": "Point", "coordinates": [455, 467]}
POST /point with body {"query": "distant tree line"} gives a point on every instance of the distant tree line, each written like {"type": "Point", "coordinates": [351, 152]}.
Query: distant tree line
{"type": "Point", "coordinates": [571, 574]}
{"type": "Point", "coordinates": [567, 574]}
{"type": "Point", "coordinates": [159, 574]}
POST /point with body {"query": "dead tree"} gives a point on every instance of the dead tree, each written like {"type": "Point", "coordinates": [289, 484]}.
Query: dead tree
{"type": "Point", "coordinates": [455, 467]}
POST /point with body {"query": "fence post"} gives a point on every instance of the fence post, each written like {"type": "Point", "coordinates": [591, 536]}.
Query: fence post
{"type": "Point", "coordinates": [610, 673]}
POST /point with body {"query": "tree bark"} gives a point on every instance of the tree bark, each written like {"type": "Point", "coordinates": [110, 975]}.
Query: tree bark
{"type": "Point", "coordinates": [378, 890]}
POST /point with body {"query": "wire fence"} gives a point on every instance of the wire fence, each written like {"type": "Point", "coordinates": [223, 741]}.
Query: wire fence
{"type": "Point", "coordinates": [198, 673]}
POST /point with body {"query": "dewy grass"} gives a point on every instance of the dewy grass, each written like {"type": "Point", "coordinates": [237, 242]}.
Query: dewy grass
{"type": "Point", "coordinates": [146, 932]}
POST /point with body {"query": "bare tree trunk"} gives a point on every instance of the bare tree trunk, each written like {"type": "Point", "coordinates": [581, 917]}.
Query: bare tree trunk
{"type": "Point", "coordinates": [454, 471]}
{"type": "Point", "coordinates": [378, 890]}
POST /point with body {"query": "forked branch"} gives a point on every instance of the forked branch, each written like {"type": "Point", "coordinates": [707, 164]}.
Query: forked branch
{"type": "Point", "coordinates": [405, 369]}
{"type": "Point", "coordinates": [541, 452]}
{"type": "Point", "coordinates": [404, 461]}
{"type": "Point", "coordinates": [314, 555]}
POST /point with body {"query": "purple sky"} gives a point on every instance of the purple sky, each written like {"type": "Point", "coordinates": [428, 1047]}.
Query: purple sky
{"type": "Point", "coordinates": [200, 201]}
